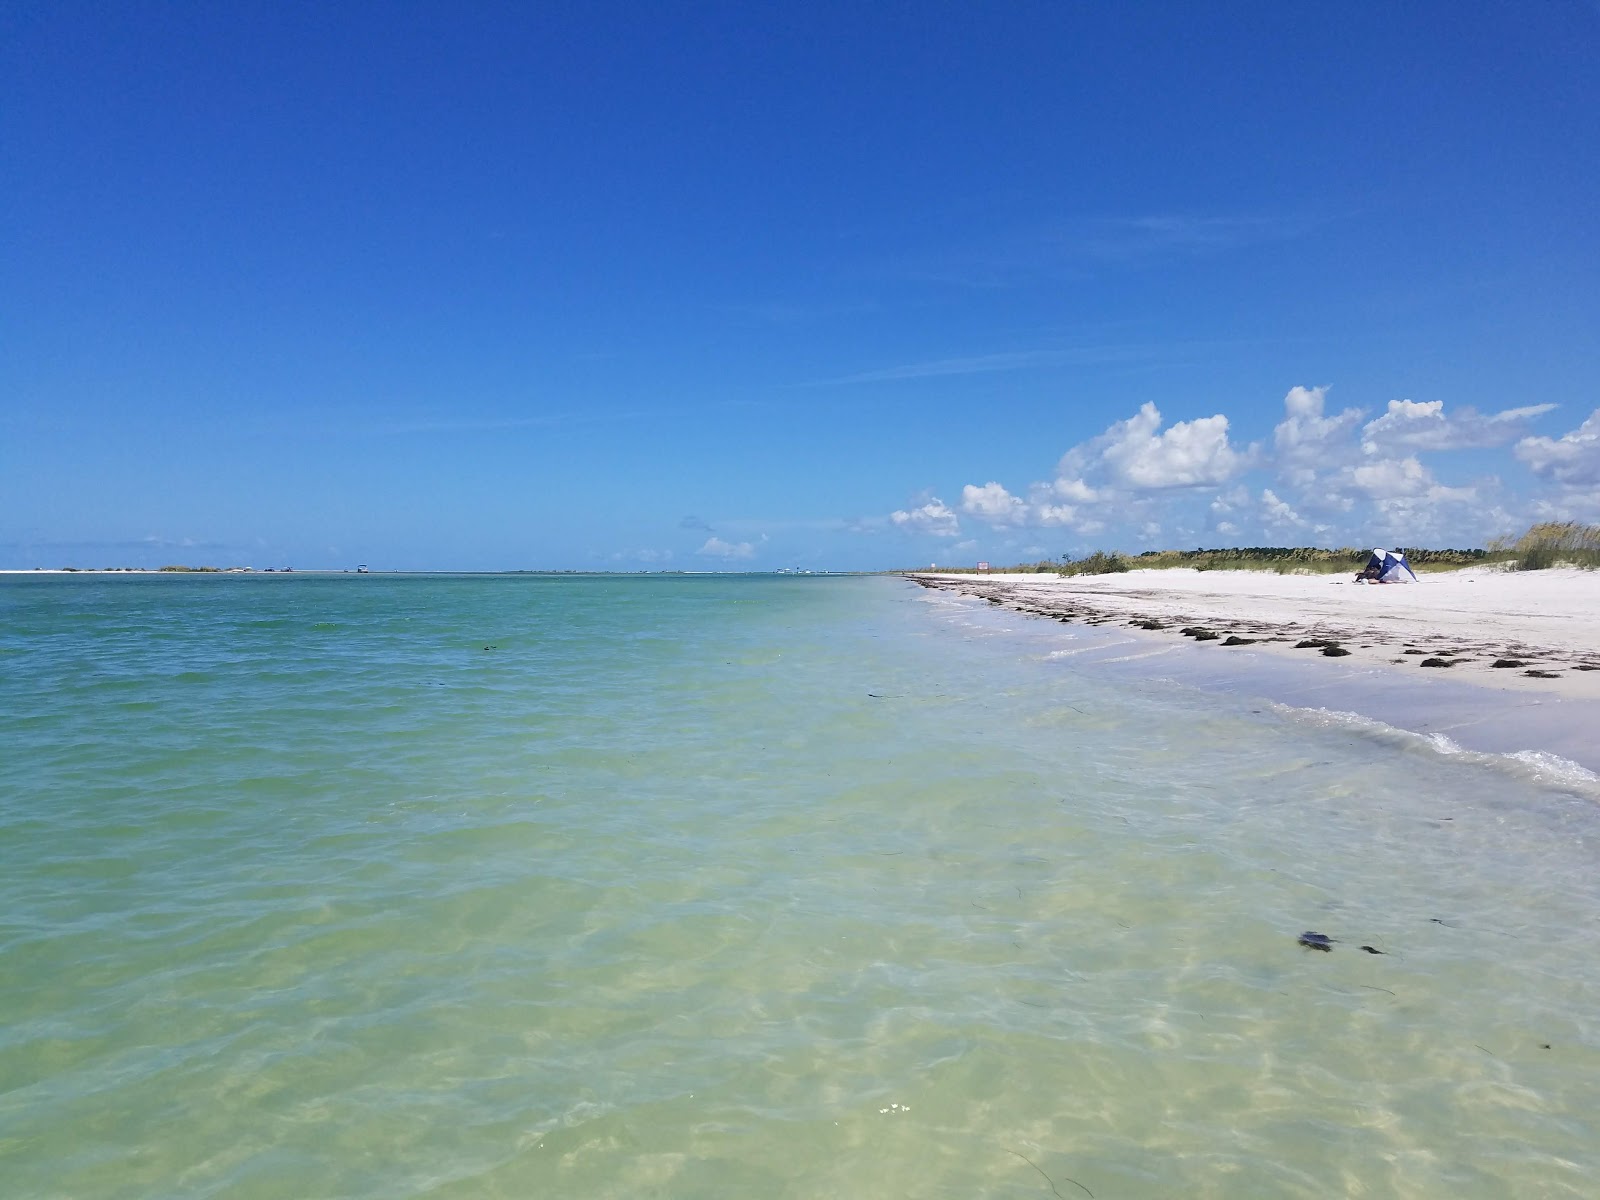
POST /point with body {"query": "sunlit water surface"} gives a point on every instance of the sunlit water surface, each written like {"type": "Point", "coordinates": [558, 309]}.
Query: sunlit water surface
{"type": "Point", "coordinates": [522, 886]}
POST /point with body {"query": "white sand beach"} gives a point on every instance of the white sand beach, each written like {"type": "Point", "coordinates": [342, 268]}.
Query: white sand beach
{"type": "Point", "coordinates": [1456, 624]}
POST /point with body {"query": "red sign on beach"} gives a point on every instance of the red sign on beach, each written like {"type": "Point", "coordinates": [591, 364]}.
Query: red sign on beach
{"type": "Point", "coordinates": [983, 566]}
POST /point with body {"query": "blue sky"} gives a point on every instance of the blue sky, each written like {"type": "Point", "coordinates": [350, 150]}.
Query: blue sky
{"type": "Point", "coordinates": [831, 286]}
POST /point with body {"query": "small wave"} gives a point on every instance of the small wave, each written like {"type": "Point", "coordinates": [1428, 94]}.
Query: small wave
{"type": "Point", "coordinates": [1534, 766]}
{"type": "Point", "coordinates": [1142, 655]}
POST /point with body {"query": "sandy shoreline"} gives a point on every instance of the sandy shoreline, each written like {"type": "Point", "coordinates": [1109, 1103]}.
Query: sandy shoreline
{"type": "Point", "coordinates": [1455, 624]}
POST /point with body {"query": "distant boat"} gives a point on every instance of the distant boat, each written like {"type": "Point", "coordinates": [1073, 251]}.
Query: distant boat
{"type": "Point", "coordinates": [362, 570]}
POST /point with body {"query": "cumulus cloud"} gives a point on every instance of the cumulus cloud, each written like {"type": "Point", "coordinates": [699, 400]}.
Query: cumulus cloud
{"type": "Point", "coordinates": [992, 503]}
{"type": "Point", "coordinates": [1131, 460]}
{"type": "Point", "coordinates": [933, 517]}
{"type": "Point", "coordinates": [1334, 475]}
{"type": "Point", "coordinates": [1133, 453]}
{"type": "Point", "coordinates": [1407, 501]}
{"type": "Point", "coordinates": [1409, 424]}
{"type": "Point", "coordinates": [1572, 459]}
{"type": "Point", "coordinates": [1278, 512]}
{"type": "Point", "coordinates": [1393, 477]}
{"type": "Point", "coordinates": [1331, 469]}
{"type": "Point", "coordinates": [1305, 437]}
{"type": "Point", "coordinates": [1075, 490]}
{"type": "Point", "coordinates": [715, 547]}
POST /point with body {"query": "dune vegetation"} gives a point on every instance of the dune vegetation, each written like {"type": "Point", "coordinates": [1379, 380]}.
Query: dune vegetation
{"type": "Point", "coordinates": [1545, 545]}
{"type": "Point", "coordinates": [1551, 544]}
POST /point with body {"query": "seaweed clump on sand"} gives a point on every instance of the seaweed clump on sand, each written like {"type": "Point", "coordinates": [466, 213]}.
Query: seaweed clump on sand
{"type": "Point", "coordinates": [1329, 647]}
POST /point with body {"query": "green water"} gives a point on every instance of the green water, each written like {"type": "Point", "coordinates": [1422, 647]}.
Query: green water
{"type": "Point", "coordinates": [512, 886]}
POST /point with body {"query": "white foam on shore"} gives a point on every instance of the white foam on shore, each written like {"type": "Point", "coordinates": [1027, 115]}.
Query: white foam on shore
{"type": "Point", "coordinates": [1534, 766]}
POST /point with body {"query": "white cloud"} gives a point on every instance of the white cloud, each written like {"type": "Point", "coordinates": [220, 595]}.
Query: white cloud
{"type": "Point", "coordinates": [1329, 471]}
{"type": "Point", "coordinates": [932, 517]}
{"type": "Point", "coordinates": [1075, 490]}
{"type": "Point", "coordinates": [1111, 473]}
{"type": "Point", "coordinates": [992, 503]}
{"type": "Point", "coordinates": [1409, 505]}
{"type": "Point", "coordinates": [715, 547]}
{"type": "Point", "coordinates": [1189, 454]}
{"type": "Point", "coordinates": [1338, 477]}
{"type": "Point", "coordinates": [1410, 424]}
{"type": "Point", "coordinates": [1278, 512]}
{"type": "Point", "coordinates": [1305, 438]}
{"type": "Point", "coordinates": [1392, 477]}
{"type": "Point", "coordinates": [1228, 501]}
{"type": "Point", "coordinates": [1572, 459]}
{"type": "Point", "coordinates": [1572, 504]}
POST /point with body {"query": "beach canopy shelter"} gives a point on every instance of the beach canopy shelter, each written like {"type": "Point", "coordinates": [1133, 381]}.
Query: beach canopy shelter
{"type": "Point", "coordinates": [1390, 566]}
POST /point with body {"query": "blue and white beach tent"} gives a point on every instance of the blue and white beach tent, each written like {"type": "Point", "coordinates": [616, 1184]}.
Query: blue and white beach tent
{"type": "Point", "coordinates": [1392, 566]}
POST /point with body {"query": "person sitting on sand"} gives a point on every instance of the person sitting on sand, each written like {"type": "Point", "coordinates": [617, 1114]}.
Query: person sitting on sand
{"type": "Point", "coordinates": [1371, 573]}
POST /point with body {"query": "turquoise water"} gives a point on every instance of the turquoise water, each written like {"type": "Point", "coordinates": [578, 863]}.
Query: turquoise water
{"type": "Point", "coordinates": [679, 886]}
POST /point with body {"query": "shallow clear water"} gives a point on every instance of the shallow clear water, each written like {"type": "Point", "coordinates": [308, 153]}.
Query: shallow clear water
{"type": "Point", "coordinates": [720, 886]}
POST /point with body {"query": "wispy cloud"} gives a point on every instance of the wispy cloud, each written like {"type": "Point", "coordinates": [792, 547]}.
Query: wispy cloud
{"type": "Point", "coordinates": [785, 314]}
{"type": "Point", "coordinates": [1021, 360]}
{"type": "Point", "coordinates": [1077, 246]}
{"type": "Point", "coordinates": [1124, 239]}
{"type": "Point", "coordinates": [981, 364]}
{"type": "Point", "coordinates": [495, 424]}
{"type": "Point", "coordinates": [490, 423]}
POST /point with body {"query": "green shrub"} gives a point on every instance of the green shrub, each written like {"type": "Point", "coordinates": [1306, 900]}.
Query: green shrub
{"type": "Point", "coordinates": [1098, 563]}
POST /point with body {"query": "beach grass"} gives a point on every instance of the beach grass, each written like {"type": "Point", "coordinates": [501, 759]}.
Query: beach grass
{"type": "Point", "coordinates": [1550, 544]}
